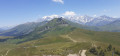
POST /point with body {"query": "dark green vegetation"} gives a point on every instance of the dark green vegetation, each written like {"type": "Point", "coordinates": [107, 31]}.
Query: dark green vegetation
{"type": "Point", "coordinates": [60, 37]}
{"type": "Point", "coordinates": [108, 51]}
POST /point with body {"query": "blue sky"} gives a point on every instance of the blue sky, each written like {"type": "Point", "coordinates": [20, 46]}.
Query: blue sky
{"type": "Point", "coordinates": [14, 12]}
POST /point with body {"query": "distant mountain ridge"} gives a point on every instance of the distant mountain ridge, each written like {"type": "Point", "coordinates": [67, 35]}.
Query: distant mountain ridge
{"type": "Point", "coordinates": [86, 20]}
{"type": "Point", "coordinates": [111, 27]}
{"type": "Point", "coordinates": [22, 29]}
{"type": "Point", "coordinates": [101, 23]}
{"type": "Point", "coordinates": [1, 30]}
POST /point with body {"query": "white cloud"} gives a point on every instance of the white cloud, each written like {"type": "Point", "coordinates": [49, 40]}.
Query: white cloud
{"type": "Point", "coordinates": [69, 13]}
{"type": "Point", "coordinates": [50, 17]}
{"type": "Point", "coordinates": [59, 1]}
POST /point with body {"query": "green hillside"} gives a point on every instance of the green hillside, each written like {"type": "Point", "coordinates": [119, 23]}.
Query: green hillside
{"type": "Point", "coordinates": [59, 37]}
{"type": "Point", "coordinates": [22, 29]}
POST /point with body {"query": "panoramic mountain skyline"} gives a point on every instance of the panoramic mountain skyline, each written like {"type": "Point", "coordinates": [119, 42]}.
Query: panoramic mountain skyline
{"type": "Point", "coordinates": [83, 20]}
{"type": "Point", "coordinates": [59, 28]}
{"type": "Point", "coordinates": [60, 37]}
{"type": "Point", "coordinates": [16, 12]}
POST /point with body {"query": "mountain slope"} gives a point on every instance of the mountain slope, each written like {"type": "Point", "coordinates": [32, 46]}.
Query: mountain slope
{"type": "Point", "coordinates": [93, 28]}
{"type": "Point", "coordinates": [58, 26]}
{"type": "Point", "coordinates": [84, 22]}
{"type": "Point", "coordinates": [1, 30]}
{"type": "Point", "coordinates": [111, 27]}
{"type": "Point", "coordinates": [22, 29]}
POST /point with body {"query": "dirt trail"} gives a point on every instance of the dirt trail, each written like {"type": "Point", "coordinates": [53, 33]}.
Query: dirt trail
{"type": "Point", "coordinates": [73, 55]}
{"type": "Point", "coordinates": [1, 55]}
{"type": "Point", "coordinates": [7, 53]}
{"type": "Point", "coordinates": [67, 36]}
{"type": "Point", "coordinates": [93, 44]}
{"type": "Point", "coordinates": [83, 53]}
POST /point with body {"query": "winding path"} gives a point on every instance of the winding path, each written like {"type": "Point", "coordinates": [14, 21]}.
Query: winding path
{"type": "Point", "coordinates": [67, 36]}
{"type": "Point", "coordinates": [73, 55]}
{"type": "Point", "coordinates": [7, 52]}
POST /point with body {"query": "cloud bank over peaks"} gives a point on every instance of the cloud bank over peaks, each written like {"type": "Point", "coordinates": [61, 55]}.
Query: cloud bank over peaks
{"type": "Point", "coordinates": [50, 17]}
{"type": "Point", "coordinates": [69, 13]}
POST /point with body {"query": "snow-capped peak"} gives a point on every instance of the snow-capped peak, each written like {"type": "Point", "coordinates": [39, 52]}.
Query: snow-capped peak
{"type": "Point", "coordinates": [85, 20]}
{"type": "Point", "coordinates": [80, 19]}
{"type": "Point", "coordinates": [77, 19]}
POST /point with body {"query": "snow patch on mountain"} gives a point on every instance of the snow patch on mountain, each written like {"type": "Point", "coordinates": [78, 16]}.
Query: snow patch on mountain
{"type": "Point", "coordinates": [85, 20]}
{"type": "Point", "coordinates": [80, 19]}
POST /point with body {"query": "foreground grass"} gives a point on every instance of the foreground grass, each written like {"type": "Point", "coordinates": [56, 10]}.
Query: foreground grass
{"type": "Point", "coordinates": [60, 43]}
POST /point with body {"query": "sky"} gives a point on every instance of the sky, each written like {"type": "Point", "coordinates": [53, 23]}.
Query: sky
{"type": "Point", "coordinates": [14, 12]}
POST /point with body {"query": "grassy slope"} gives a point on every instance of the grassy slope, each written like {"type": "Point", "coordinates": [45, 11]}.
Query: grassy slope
{"type": "Point", "coordinates": [53, 43]}
{"type": "Point", "coordinates": [4, 37]}
{"type": "Point", "coordinates": [57, 40]}
{"type": "Point", "coordinates": [106, 37]}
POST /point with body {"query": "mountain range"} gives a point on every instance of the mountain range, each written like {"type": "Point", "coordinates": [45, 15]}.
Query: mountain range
{"type": "Point", "coordinates": [101, 23]}
{"type": "Point", "coordinates": [1, 30]}
{"type": "Point", "coordinates": [112, 26]}
{"type": "Point", "coordinates": [86, 20]}
{"type": "Point", "coordinates": [61, 37]}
